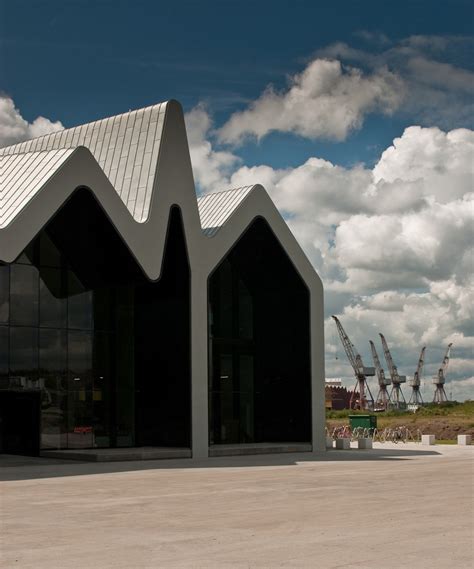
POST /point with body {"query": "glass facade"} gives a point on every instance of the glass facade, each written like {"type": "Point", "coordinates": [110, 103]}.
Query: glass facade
{"type": "Point", "coordinates": [259, 351]}
{"type": "Point", "coordinates": [57, 337]}
{"type": "Point", "coordinates": [106, 350]}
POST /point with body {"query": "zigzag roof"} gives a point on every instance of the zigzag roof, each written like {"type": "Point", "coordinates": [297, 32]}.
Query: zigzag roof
{"type": "Point", "coordinates": [125, 146]}
{"type": "Point", "coordinates": [137, 167]}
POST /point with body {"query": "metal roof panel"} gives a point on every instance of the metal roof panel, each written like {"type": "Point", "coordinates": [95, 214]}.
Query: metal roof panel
{"type": "Point", "coordinates": [216, 208]}
{"type": "Point", "coordinates": [125, 146]}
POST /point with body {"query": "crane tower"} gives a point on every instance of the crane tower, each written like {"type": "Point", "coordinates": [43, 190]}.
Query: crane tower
{"type": "Point", "coordinates": [365, 401]}
{"type": "Point", "coordinates": [382, 401]}
{"type": "Point", "coordinates": [439, 380]}
{"type": "Point", "coordinates": [396, 395]}
{"type": "Point", "coordinates": [415, 383]}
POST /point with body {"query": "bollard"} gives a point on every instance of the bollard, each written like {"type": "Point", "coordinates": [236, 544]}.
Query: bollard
{"type": "Point", "coordinates": [428, 439]}
{"type": "Point", "coordinates": [464, 440]}
{"type": "Point", "coordinates": [329, 442]}
{"type": "Point", "coordinates": [343, 444]}
{"type": "Point", "coordinates": [364, 443]}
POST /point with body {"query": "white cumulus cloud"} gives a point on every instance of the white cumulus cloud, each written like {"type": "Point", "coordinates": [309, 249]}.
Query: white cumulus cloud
{"type": "Point", "coordinates": [14, 128]}
{"type": "Point", "coordinates": [327, 100]}
{"type": "Point", "coordinates": [393, 243]}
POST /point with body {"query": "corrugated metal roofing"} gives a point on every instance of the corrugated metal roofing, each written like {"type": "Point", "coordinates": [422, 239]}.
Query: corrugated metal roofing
{"type": "Point", "coordinates": [125, 146]}
{"type": "Point", "coordinates": [23, 175]}
{"type": "Point", "coordinates": [216, 208]}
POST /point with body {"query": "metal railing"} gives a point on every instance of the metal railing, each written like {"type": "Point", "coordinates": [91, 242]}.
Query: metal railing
{"type": "Point", "coordinates": [401, 434]}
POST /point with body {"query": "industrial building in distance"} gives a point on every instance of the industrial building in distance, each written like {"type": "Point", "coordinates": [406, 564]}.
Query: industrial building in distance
{"type": "Point", "coordinates": [134, 314]}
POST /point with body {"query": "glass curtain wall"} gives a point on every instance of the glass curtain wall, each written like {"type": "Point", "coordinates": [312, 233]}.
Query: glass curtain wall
{"type": "Point", "coordinates": [108, 350]}
{"type": "Point", "coordinates": [60, 338]}
{"type": "Point", "coordinates": [259, 345]}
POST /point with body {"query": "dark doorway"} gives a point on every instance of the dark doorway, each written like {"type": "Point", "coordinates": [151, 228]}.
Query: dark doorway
{"type": "Point", "coordinates": [260, 365]}
{"type": "Point", "coordinates": [162, 348]}
{"type": "Point", "coordinates": [20, 420]}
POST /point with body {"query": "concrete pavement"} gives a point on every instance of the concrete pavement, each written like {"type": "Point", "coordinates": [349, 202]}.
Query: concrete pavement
{"type": "Point", "coordinates": [394, 506]}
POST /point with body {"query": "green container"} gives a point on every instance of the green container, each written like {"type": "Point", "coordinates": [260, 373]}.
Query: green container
{"type": "Point", "coordinates": [364, 421]}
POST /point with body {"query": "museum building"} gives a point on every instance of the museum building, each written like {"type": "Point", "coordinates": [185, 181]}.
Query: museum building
{"type": "Point", "coordinates": [135, 314]}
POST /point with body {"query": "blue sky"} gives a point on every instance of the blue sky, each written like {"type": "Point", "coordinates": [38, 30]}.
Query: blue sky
{"type": "Point", "coordinates": [88, 59]}
{"type": "Point", "coordinates": [357, 116]}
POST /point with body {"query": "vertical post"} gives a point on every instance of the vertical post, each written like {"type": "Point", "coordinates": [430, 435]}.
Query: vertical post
{"type": "Point", "coordinates": [318, 409]}
{"type": "Point", "coordinates": [199, 365]}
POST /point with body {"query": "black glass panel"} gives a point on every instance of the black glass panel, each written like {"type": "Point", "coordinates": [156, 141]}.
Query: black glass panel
{"type": "Point", "coordinates": [4, 339]}
{"type": "Point", "coordinates": [68, 315]}
{"type": "Point", "coordinates": [49, 254]}
{"type": "Point", "coordinates": [79, 304]}
{"type": "Point", "coordinates": [24, 293]}
{"type": "Point", "coordinates": [245, 301]}
{"type": "Point", "coordinates": [80, 425]}
{"type": "Point", "coordinates": [4, 293]}
{"type": "Point", "coordinates": [104, 305]}
{"type": "Point", "coordinates": [24, 357]}
{"type": "Point", "coordinates": [52, 369]}
{"type": "Point", "coordinates": [53, 304]}
{"type": "Point", "coordinates": [260, 339]}
{"type": "Point", "coordinates": [103, 384]}
{"type": "Point", "coordinates": [80, 360]}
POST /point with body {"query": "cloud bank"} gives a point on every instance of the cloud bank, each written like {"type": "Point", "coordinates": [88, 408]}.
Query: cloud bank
{"type": "Point", "coordinates": [393, 243]}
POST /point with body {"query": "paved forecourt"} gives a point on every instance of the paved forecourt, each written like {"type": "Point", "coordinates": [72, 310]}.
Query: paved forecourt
{"type": "Point", "coordinates": [390, 507]}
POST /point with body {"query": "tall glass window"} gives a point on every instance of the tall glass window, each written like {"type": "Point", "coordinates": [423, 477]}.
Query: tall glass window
{"type": "Point", "coordinates": [59, 337]}
{"type": "Point", "coordinates": [83, 331]}
{"type": "Point", "coordinates": [259, 345]}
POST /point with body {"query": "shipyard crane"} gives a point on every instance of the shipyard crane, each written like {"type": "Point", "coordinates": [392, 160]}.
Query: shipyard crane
{"type": "Point", "coordinates": [439, 380]}
{"type": "Point", "coordinates": [396, 395]}
{"type": "Point", "coordinates": [382, 401]}
{"type": "Point", "coordinates": [365, 401]}
{"type": "Point", "coordinates": [415, 383]}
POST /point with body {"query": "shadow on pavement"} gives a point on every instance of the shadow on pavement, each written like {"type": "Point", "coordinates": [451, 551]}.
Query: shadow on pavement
{"type": "Point", "coordinates": [14, 468]}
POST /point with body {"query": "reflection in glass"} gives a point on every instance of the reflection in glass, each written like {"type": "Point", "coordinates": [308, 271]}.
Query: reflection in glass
{"type": "Point", "coordinates": [80, 360]}
{"type": "Point", "coordinates": [52, 369]}
{"type": "Point", "coordinates": [80, 427]}
{"type": "Point", "coordinates": [24, 295]}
